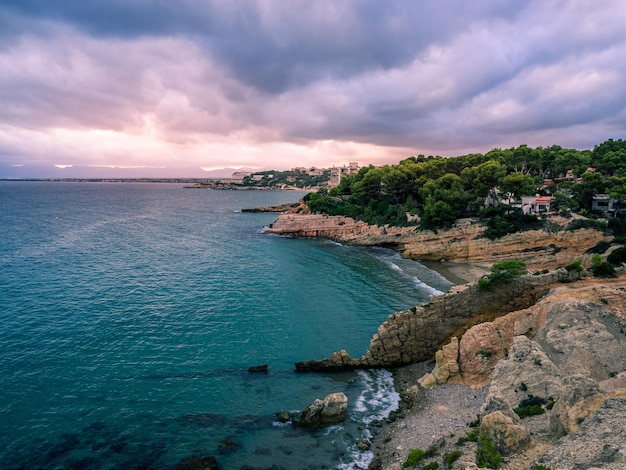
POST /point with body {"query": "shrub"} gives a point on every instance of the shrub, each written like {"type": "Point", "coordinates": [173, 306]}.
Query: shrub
{"type": "Point", "coordinates": [415, 456]}
{"type": "Point", "coordinates": [530, 406]}
{"type": "Point", "coordinates": [587, 223]}
{"type": "Point", "coordinates": [600, 247]}
{"type": "Point", "coordinates": [617, 256]}
{"type": "Point", "coordinates": [538, 466]}
{"type": "Point", "coordinates": [503, 273]}
{"type": "Point", "coordinates": [486, 454]}
{"type": "Point", "coordinates": [528, 411]}
{"type": "Point", "coordinates": [604, 270]}
{"type": "Point", "coordinates": [576, 265]}
{"type": "Point", "coordinates": [450, 457]}
{"type": "Point", "coordinates": [470, 436]}
{"type": "Point", "coordinates": [431, 466]}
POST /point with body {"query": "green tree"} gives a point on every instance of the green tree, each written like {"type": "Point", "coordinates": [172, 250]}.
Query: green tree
{"type": "Point", "coordinates": [518, 185]}
{"type": "Point", "coordinates": [488, 176]}
{"type": "Point", "coordinates": [592, 183]}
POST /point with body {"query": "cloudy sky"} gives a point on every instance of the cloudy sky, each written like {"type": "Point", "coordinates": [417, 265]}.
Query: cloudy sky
{"type": "Point", "coordinates": [182, 87]}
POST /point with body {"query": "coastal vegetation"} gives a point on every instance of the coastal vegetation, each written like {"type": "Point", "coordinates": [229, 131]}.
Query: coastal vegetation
{"type": "Point", "coordinates": [502, 273]}
{"type": "Point", "coordinates": [433, 191]}
{"type": "Point", "coordinates": [297, 178]}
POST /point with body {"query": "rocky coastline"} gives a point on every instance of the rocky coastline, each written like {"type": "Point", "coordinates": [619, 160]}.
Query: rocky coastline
{"type": "Point", "coordinates": [554, 342]}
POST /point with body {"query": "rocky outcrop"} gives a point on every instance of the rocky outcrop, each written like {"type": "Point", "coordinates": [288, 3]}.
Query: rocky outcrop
{"type": "Point", "coordinates": [599, 443]}
{"type": "Point", "coordinates": [564, 355]}
{"type": "Point", "coordinates": [464, 243]}
{"type": "Point", "coordinates": [416, 335]}
{"type": "Point", "coordinates": [508, 435]}
{"type": "Point", "coordinates": [332, 409]}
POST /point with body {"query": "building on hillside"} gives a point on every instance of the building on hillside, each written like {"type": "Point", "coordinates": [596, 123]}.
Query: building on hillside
{"type": "Point", "coordinates": [606, 204]}
{"type": "Point", "coordinates": [336, 173]}
{"type": "Point", "coordinates": [238, 177]}
{"type": "Point", "coordinates": [537, 204]}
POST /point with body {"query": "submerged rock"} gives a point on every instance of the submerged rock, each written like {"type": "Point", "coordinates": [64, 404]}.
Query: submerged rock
{"type": "Point", "coordinates": [198, 463]}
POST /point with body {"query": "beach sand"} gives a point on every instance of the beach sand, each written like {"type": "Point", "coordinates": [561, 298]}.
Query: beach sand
{"type": "Point", "coordinates": [458, 273]}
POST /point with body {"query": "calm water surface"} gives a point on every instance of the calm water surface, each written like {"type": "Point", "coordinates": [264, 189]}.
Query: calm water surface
{"type": "Point", "coordinates": [129, 314]}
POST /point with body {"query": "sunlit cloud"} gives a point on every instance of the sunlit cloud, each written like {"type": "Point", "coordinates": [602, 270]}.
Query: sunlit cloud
{"type": "Point", "coordinates": [270, 86]}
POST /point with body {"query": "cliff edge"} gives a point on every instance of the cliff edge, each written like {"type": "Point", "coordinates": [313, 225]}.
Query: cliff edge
{"type": "Point", "coordinates": [463, 243]}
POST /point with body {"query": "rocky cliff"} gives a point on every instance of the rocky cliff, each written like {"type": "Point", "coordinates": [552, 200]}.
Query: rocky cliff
{"type": "Point", "coordinates": [567, 355]}
{"type": "Point", "coordinates": [415, 335]}
{"type": "Point", "coordinates": [464, 243]}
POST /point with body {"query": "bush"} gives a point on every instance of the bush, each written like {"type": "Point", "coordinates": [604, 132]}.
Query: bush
{"type": "Point", "coordinates": [470, 436]}
{"type": "Point", "coordinates": [431, 466]}
{"type": "Point", "coordinates": [617, 256]}
{"type": "Point", "coordinates": [531, 406]}
{"type": "Point", "coordinates": [450, 457]}
{"type": "Point", "coordinates": [587, 223]}
{"type": "Point", "coordinates": [599, 248]}
{"type": "Point", "coordinates": [415, 456]}
{"type": "Point", "coordinates": [604, 269]}
{"type": "Point", "coordinates": [576, 265]}
{"type": "Point", "coordinates": [486, 454]}
{"type": "Point", "coordinates": [503, 273]}
{"type": "Point", "coordinates": [504, 220]}
{"type": "Point", "coordinates": [528, 411]}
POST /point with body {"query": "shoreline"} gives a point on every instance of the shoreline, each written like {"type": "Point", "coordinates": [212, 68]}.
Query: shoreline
{"type": "Point", "coordinates": [457, 273]}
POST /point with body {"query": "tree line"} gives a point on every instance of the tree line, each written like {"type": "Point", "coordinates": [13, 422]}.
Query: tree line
{"type": "Point", "coordinates": [441, 190]}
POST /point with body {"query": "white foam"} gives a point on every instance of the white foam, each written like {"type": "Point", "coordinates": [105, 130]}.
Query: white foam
{"type": "Point", "coordinates": [394, 266]}
{"type": "Point", "coordinates": [378, 397]}
{"type": "Point", "coordinates": [422, 285]}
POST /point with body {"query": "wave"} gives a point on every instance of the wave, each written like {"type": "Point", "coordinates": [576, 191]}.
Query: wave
{"type": "Point", "coordinates": [378, 398]}
{"type": "Point", "coordinates": [422, 285]}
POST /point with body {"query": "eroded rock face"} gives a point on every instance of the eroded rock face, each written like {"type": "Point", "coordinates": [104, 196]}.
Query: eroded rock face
{"type": "Point", "coordinates": [528, 371]}
{"type": "Point", "coordinates": [600, 441]}
{"type": "Point", "coordinates": [463, 243]}
{"type": "Point", "coordinates": [580, 397]}
{"type": "Point", "coordinates": [583, 338]}
{"type": "Point", "coordinates": [332, 409]}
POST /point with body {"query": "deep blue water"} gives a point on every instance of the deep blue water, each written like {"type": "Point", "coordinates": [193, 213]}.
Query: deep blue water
{"type": "Point", "coordinates": [129, 314]}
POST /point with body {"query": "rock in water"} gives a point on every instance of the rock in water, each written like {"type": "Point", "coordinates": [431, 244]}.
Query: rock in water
{"type": "Point", "coordinates": [333, 409]}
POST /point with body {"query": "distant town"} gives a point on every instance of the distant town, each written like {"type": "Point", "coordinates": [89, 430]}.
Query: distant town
{"type": "Point", "coordinates": [299, 178]}
{"type": "Point", "coordinates": [311, 178]}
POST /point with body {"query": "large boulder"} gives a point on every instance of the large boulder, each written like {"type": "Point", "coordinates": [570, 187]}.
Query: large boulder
{"type": "Point", "coordinates": [581, 397]}
{"type": "Point", "coordinates": [332, 409]}
{"type": "Point", "coordinates": [582, 337]}
{"type": "Point", "coordinates": [507, 435]}
{"type": "Point", "coordinates": [528, 371]}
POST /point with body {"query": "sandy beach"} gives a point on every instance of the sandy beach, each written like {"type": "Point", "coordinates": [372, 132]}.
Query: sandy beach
{"type": "Point", "coordinates": [458, 273]}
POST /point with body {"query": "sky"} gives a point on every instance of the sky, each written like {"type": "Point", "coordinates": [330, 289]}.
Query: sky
{"type": "Point", "coordinates": [181, 88]}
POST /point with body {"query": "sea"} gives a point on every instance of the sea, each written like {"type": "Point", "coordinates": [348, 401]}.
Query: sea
{"type": "Point", "coordinates": [131, 312]}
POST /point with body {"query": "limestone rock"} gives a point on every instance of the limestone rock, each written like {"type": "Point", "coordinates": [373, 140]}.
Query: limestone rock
{"type": "Point", "coordinates": [600, 442]}
{"type": "Point", "coordinates": [447, 367]}
{"type": "Point", "coordinates": [332, 409]}
{"type": "Point", "coordinates": [528, 371]}
{"type": "Point", "coordinates": [463, 243]}
{"type": "Point", "coordinates": [496, 402]}
{"type": "Point", "coordinates": [507, 435]}
{"type": "Point", "coordinates": [582, 338]}
{"type": "Point", "coordinates": [428, 381]}
{"type": "Point", "coordinates": [580, 397]}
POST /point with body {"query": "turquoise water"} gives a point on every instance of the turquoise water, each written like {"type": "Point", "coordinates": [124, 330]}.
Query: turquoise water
{"type": "Point", "coordinates": [129, 314]}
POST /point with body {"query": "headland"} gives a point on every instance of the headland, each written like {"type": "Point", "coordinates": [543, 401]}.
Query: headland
{"type": "Point", "coordinates": [532, 374]}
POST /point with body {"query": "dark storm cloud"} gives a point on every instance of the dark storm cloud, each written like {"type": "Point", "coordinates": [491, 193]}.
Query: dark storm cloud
{"type": "Point", "coordinates": [275, 45]}
{"type": "Point", "coordinates": [439, 76]}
